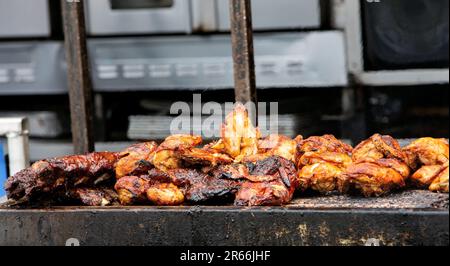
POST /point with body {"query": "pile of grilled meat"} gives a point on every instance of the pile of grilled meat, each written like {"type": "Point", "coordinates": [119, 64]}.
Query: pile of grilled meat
{"type": "Point", "coordinates": [242, 167]}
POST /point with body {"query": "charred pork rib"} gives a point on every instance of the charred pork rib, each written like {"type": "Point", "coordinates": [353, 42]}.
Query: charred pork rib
{"type": "Point", "coordinates": [54, 178]}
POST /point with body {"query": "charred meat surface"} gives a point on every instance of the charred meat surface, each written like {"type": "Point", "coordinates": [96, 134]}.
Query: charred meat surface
{"type": "Point", "coordinates": [199, 187]}
{"type": "Point", "coordinates": [278, 189]}
{"type": "Point", "coordinates": [59, 175]}
{"type": "Point", "coordinates": [94, 196]}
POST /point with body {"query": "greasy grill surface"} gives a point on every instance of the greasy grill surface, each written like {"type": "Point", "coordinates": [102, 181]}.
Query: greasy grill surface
{"type": "Point", "coordinates": [410, 199]}
{"type": "Point", "coordinates": [406, 218]}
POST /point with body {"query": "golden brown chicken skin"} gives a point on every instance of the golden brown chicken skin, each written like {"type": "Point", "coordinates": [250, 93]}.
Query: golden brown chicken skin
{"type": "Point", "coordinates": [374, 178]}
{"type": "Point", "coordinates": [274, 145]}
{"type": "Point", "coordinates": [321, 162]}
{"type": "Point", "coordinates": [429, 157]}
{"type": "Point", "coordinates": [132, 189]}
{"type": "Point", "coordinates": [166, 194]}
{"type": "Point", "coordinates": [440, 183]}
{"type": "Point", "coordinates": [379, 147]}
{"type": "Point", "coordinates": [427, 151]}
{"type": "Point", "coordinates": [180, 151]}
{"type": "Point", "coordinates": [239, 136]}
{"type": "Point", "coordinates": [379, 167]}
{"type": "Point", "coordinates": [136, 160]}
{"type": "Point", "coordinates": [326, 143]}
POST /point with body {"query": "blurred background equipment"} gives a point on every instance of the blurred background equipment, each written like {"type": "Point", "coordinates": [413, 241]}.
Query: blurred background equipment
{"type": "Point", "coordinates": [23, 18]}
{"type": "Point", "coordinates": [347, 67]}
{"type": "Point", "coordinates": [402, 42]}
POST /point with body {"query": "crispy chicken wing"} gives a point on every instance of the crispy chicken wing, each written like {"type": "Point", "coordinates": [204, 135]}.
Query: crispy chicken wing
{"type": "Point", "coordinates": [239, 136]}
{"type": "Point", "coordinates": [136, 160]}
{"type": "Point", "coordinates": [379, 166]}
{"type": "Point", "coordinates": [321, 162]}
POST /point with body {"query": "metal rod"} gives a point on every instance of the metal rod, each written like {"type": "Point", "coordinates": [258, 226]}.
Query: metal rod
{"type": "Point", "coordinates": [80, 85]}
{"type": "Point", "coordinates": [243, 54]}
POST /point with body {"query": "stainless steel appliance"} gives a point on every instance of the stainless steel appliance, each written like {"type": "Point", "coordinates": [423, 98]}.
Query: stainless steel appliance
{"type": "Point", "coordinates": [32, 68]}
{"type": "Point", "coordinates": [402, 42]}
{"type": "Point", "coordinates": [117, 17]}
{"type": "Point", "coordinates": [124, 17]}
{"type": "Point", "coordinates": [279, 14]}
{"type": "Point", "coordinates": [314, 59]}
{"type": "Point", "coordinates": [24, 18]}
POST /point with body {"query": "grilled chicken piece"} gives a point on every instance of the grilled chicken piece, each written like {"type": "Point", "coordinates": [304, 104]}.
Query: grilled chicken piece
{"type": "Point", "coordinates": [278, 190]}
{"type": "Point", "coordinates": [427, 151]}
{"type": "Point", "coordinates": [440, 183]}
{"type": "Point", "coordinates": [239, 136]}
{"type": "Point", "coordinates": [326, 143]}
{"type": "Point", "coordinates": [166, 157]}
{"type": "Point", "coordinates": [136, 160]}
{"type": "Point", "coordinates": [165, 194]}
{"type": "Point", "coordinates": [379, 166]}
{"type": "Point", "coordinates": [375, 178]}
{"type": "Point", "coordinates": [133, 189]}
{"type": "Point", "coordinates": [178, 151]}
{"type": "Point", "coordinates": [274, 145]}
{"type": "Point", "coordinates": [321, 162]}
{"type": "Point", "coordinates": [379, 147]}
{"type": "Point", "coordinates": [424, 177]}
{"type": "Point", "coordinates": [196, 156]}
{"type": "Point", "coordinates": [322, 177]}
{"type": "Point", "coordinates": [56, 177]}
{"type": "Point", "coordinates": [94, 196]}
{"type": "Point", "coordinates": [430, 158]}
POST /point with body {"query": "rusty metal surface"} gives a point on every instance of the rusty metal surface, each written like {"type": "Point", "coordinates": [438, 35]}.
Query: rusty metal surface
{"type": "Point", "coordinates": [392, 220]}
{"type": "Point", "coordinates": [80, 85]}
{"type": "Point", "coordinates": [243, 53]}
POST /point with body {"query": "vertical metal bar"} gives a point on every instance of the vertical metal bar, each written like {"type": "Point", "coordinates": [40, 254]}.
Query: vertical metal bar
{"type": "Point", "coordinates": [243, 54]}
{"type": "Point", "coordinates": [80, 85]}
